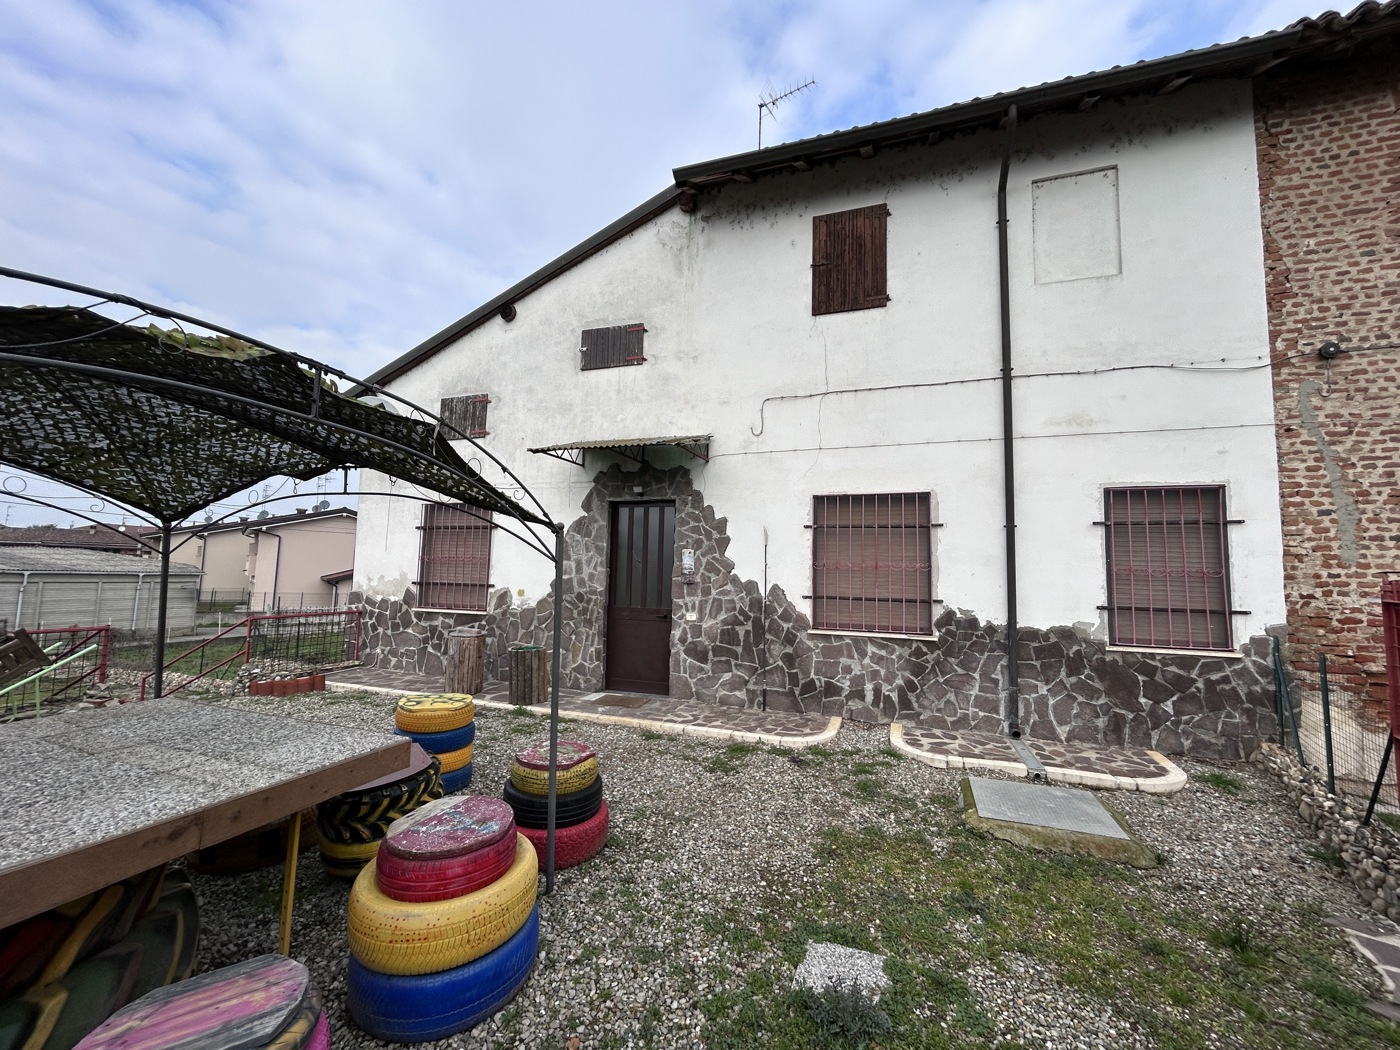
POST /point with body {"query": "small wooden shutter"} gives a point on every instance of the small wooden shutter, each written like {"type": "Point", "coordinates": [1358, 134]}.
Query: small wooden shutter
{"type": "Point", "coordinates": [613, 347]}
{"type": "Point", "coordinates": [466, 414]}
{"type": "Point", "coordinates": [848, 260]}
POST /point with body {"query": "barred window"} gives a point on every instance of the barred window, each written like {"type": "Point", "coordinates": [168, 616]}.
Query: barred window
{"type": "Point", "coordinates": [1167, 558]}
{"type": "Point", "coordinates": [848, 260]}
{"type": "Point", "coordinates": [612, 347]}
{"type": "Point", "coordinates": [455, 558]}
{"type": "Point", "coordinates": [467, 414]}
{"type": "Point", "coordinates": [872, 563]}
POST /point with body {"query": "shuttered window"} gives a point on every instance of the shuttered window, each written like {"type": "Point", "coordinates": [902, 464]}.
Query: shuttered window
{"type": "Point", "coordinates": [612, 347]}
{"type": "Point", "coordinates": [848, 260]}
{"type": "Point", "coordinates": [466, 414]}
{"type": "Point", "coordinates": [1167, 560]}
{"type": "Point", "coordinates": [872, 563]}
{"type": "Point", "coordinates": [455, 558]}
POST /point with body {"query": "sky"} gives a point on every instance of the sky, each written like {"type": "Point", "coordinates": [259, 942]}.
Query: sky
{"type": "Point", "coordinates": [344, 178]}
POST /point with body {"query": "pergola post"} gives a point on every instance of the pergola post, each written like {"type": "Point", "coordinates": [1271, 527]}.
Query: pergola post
{"type": "Point", "coordinates": [162, 608]}
{"type": "Point", "coordinates": [554, 707]}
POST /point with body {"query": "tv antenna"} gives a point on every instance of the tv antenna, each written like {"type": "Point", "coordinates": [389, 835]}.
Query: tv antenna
{"type": "Point", "coordinates": [770, 103]}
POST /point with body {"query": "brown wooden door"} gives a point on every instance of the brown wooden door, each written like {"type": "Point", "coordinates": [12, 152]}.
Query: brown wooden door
{"type": "Point", "coordinates": [639, 597]}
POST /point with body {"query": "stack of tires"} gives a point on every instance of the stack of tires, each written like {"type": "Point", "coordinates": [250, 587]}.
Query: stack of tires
{"type": "Point", "coordinates": [443, 926]}
{"type": "Point", "coordinates": [269, 1001]}
{"type": "Point", "coordinates": [351, 825]}
{"type": "Point", "coordinates": [580, 812]}
{"type": "Point", "coordinates": [64, 972]}
{"type": "Point", "coordinates": [442, 724]}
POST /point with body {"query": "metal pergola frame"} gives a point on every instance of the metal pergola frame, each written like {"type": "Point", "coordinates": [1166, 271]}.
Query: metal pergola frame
{"type": "Point", "coordinates": [287, 431]}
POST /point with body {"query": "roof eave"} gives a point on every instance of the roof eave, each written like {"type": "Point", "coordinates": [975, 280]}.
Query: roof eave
{"type": "Point", "coordinates": [1153, 75]}
{"type": "Point", "coordinates": [614, 231]}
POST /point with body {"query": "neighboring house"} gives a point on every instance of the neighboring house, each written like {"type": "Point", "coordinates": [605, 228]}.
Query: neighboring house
{"type": "Point", "coordinates": [120, 539]}
{"type": "Point", "coordinates": [277, 562]}
{"type": "Point", "coordinates": [769, 403]}
{"type": "Point", "coordinates": [54, 587]}
{"type": "Point", "coordinates": [1329, 174]}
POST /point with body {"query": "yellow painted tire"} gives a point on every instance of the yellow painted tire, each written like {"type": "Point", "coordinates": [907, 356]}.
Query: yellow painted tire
{"type": "Point", "coordinates": [455, 760]}
{"type": "Point", "coordinates": [536, 781]}
{"type": "Point", "coordinates": [407, 937]}
{"type": "Point", "coordinates": [359, 852]}
{"type": "Point", "coordinates": [434, 712]}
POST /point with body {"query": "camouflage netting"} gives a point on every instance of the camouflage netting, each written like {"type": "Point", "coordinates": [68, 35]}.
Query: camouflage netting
{"type": "Point", "coordinates": [168, 422]}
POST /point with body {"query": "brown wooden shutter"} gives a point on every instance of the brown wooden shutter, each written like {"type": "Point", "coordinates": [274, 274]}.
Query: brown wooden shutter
{"type": "Point", "coordinates": [466, 414]}
{"type": "Point", "coordinates": [872, 563]}
{"type": "Point", "coordinates": [612, 347]}
{"type": "Point", "coordinates": [848, 260]}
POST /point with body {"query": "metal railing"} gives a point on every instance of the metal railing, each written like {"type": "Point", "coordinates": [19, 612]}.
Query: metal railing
{"type": "Point", "coordinates": [77, 655]}
{"type": "Point", "coordinates": [1340, 724]}
{"type": "Point", "coordinates": [282, 641]}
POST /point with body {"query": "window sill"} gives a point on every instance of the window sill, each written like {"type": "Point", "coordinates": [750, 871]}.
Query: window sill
{"type": "Point", "coordinates": [1224, 654]}
{"type": "Point", "coordinates": [450, 612]}
{"type": "Point", "coordinates": [891, 635]}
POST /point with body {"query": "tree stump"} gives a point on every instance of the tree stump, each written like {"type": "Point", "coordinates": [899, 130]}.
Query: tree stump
{"type": "Point", "coordinates": [529, 675]}
{"type": "Point", "coordinates": [466, 661]}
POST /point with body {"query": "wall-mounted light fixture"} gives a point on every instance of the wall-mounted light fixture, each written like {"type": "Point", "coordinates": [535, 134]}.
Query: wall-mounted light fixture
{"type": "Point", "coordinates": [638, 490]}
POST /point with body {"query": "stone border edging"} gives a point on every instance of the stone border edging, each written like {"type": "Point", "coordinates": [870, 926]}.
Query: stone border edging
{"type": "Point", "coordinates": [1370, 853]}
{"type": "Point", "coordinates": [1173, 781]}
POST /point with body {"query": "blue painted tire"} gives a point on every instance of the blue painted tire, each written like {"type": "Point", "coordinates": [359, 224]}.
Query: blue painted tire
{"type": "Point", "coordinates": [401, 1008]}
{"type": "Point", "coordinates": [457, 779]}
{"type": "Point", "coordinates": [440, 743]}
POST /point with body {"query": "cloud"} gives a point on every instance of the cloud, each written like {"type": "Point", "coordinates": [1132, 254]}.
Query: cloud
{"type": "Point", "coordinates": [346, 179]}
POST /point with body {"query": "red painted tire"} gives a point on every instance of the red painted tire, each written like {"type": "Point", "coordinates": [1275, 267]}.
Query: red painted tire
{"type": "Point", "coordinates": [439, 880]}
{"type": "Point", "coordinates": [573, 845]}
{"type": "Point", "coordinates": [448, 848]}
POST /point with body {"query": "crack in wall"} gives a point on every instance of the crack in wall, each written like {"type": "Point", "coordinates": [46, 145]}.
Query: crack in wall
{"type": "Point", "coordinates": [1345, 509]}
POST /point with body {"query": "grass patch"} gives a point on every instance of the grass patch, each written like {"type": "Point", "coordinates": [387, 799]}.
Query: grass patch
{"type": "Point", "coordinates": [942, 900]}
{"type": "Point", "coordinates": [1226, 783]}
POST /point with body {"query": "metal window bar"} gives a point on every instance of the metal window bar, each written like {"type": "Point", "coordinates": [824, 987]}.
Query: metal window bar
{"type": "Point", "coordinates": [871, 563]}
{"type": "Point", "coordinates": [1167, 580]}
{"type": "Point", "coordinates": [455, 558]}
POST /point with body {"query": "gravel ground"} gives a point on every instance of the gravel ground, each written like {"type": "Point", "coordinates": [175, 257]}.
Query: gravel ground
{"type": "Point", "coordinates": [633, 943]}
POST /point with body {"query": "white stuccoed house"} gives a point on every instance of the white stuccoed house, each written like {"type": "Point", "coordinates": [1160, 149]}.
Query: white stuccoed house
{"type": "Point", "coordinates": [771, 401]}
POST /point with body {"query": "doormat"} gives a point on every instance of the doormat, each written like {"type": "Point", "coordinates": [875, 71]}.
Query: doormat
{"type": "Point", "coordinates": [621, 700]}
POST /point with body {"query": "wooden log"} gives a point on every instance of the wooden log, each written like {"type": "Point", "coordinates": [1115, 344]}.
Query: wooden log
{"type": "Point", "coordinates": [466, 661]}
{"type": "Point", "coordinates": [529, 675]}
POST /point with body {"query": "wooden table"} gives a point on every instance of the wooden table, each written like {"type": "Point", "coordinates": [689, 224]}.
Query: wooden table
{"type": "Point", "coordinates": [96, 795]}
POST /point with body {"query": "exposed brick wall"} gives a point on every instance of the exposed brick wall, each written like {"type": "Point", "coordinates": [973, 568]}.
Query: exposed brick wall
{"type": "Point", "coordinates": [1329, 178]}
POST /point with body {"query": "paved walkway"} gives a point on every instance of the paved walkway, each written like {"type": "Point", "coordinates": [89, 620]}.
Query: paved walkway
{"type": "Point", "coordinates": [657, 713]}
{"type": "Point", "coordinates": [1122, 768]}
{"type": "Point", "coordinates": [1085, 765]}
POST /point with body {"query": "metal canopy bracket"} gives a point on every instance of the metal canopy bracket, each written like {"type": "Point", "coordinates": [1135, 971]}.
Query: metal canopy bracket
{"type": "Point", "coordinates": [697, 445]}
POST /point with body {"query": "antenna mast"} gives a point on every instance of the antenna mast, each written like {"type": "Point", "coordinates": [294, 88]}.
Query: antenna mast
{"type": "Point", "coordinates": [771, 102]}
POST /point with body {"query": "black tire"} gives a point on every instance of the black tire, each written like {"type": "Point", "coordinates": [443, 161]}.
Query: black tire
{"type": "Point", "coordinates": [364, 816]}
{"type": "Point", "coordinates": [532, 811]}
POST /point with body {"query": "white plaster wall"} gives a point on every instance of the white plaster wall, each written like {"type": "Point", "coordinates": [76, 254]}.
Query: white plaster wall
{"type": "Point", "coordinates": [725, 295]}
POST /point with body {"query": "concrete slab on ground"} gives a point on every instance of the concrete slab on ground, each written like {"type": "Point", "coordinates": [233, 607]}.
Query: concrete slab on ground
{"type": "Point", "coordinates": [1082, 765]}
{"type": "Point", "coordinates": [1067, 820]}
{"type": "Point", "coordinates": [1380, 946]}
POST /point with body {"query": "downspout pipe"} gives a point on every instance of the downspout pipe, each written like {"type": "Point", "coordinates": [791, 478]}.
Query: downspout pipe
{"type": "Point", "coordinates": [19, 598]}
{"type": "Point", "coordinates": [1008, 452]}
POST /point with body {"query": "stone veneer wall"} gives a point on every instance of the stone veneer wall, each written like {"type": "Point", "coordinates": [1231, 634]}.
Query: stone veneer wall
{"type": "Point", "coordinates": [1073, 687]}
{"type": "Point", "coordinates": [1328, 140]}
